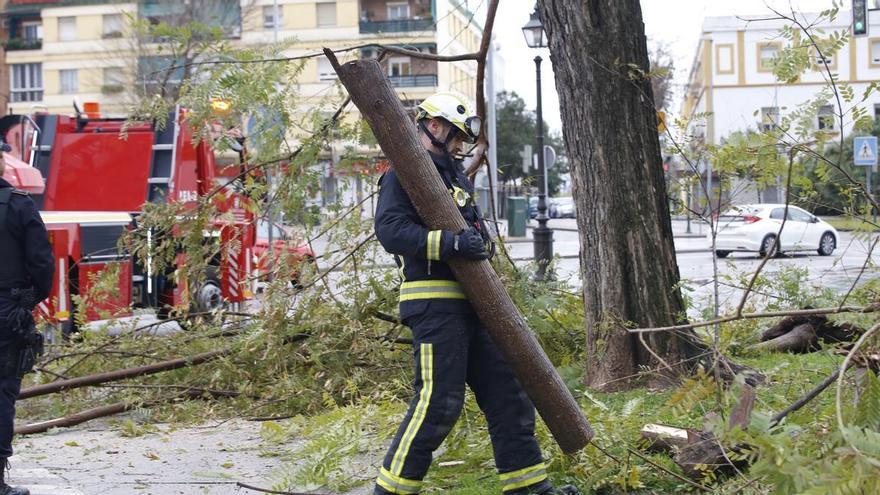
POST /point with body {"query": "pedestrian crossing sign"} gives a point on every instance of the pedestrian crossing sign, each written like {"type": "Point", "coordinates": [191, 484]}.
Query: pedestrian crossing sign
{"type": "Point", "coordinates": [865, 151]}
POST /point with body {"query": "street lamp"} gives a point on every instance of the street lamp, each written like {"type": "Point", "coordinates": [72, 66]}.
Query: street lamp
{"type": "Point", "coordinates": [542, 235]}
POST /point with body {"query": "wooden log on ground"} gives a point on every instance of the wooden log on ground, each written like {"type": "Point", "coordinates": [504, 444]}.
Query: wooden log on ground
{"type": "Point", "coordinates": [394, 130]}
{"type": "Point", "coordinates": [800, 334]}
{"type": "Point", "coordinates": [704, 452]}
{"type": "Point", "coordinates": [664, 438]}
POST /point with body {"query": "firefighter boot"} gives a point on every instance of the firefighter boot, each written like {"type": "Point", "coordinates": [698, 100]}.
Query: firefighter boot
{"type": "Point", "coordinates": [562, 490]}
{"type": "Point", "coordinates": [6, 489]}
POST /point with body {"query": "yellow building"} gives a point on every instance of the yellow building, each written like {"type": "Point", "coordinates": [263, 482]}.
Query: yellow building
{"type": "Point", "coordinates": [58, 50]}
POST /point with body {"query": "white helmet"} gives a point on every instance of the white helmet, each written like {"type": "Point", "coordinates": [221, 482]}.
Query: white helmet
{"type": "Point", "coordinates": [454, 108]}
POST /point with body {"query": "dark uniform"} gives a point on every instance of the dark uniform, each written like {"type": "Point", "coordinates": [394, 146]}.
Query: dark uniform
{"type": "Point", "coordinates": [451, 348]}
{"type": "Point", "coordinates": [25, 262]}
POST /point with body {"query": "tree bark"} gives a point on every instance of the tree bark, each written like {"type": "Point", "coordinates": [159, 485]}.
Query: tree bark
{"type": "Point", "coordinates": [396, 134]}
{"type": "Point", "coordinates": [628, 265]}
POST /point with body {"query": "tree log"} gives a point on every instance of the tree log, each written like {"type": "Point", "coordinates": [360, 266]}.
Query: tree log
{"type": "Point", "coordinates": [704, 452]}
{"type": "Point", "coordinates": [394, 130]}
{"type": "Point", "coordinates": [800, 339]}
{"type": "Point", "coordinates": [663, 438]}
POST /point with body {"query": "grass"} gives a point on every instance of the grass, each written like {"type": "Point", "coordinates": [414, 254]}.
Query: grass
{"type": "Point", "coordinates": [847, 223]}
{"type": "Point", "coordinates": [617, 419]}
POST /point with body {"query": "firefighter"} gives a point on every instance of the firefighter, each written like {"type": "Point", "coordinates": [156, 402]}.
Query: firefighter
{"type": "Point", "coordinates": [450, 345]}
{"type": "Point", "coordinates": [25, 279]}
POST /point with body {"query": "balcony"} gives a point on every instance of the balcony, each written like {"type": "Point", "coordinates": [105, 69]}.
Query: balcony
{"type": "Point", "coordinates": [13, 44]}
{"type": "Point", "coordinates": [397, 26]}
{"type": "Point", "coordinates": [423, 80]}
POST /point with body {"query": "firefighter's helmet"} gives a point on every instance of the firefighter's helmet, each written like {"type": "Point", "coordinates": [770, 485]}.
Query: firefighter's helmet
{"type": "Point", "coordinates": [454, 108]}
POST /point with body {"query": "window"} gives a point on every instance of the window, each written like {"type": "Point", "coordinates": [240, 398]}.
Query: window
{"type": "Point", "coordinates": [325, 70]}
{"type": "Point", "coordinates": [400, 66]}
{"type": "Point", "coordinates": [398, 11]}
{"type": "Point", "coordinates": [820, 63]}
{"type": "Point", "coordinates": [326, 14]}
{"type": "Point", "coordinates": [769, 118]}
{"type": "Point", "coordinates": [32, 30]}
{"type": "Point", "coordinates": [798, 215]}
{"type": "Point", "coordinates": [112, 25]}
{"type": "Point", "coordinates": [26, 81]}
{"type": "Point", "coordinates": [767, 53]}
{"type": "Point", "coordinates": [825, 118]}
{"type": "Point", "coordinates": [66, 28]}
{"type": "Point", "coordinates": [875, 53]}
{"type": "Point", "coordinates": [114, 80]}
{"type": "Point", "coordinates": [876, 111]}
{"type": "Point", "coordinates": [778, 213]}
{"type": "Point", "coordinates": [724, 59]}
{"type": "Point", "coordinates": [269, 17]}
{"type": "Point", "coordinates": [69, 81]}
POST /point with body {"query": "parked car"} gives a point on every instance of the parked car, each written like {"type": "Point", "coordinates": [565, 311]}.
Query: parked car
{"type": "Point", "coordinates": [753, 228]}
{"type": "Point", "coordinates": [565, 207]}
{"type": "Point", "coordinates": [285, 246]}
{"type": "Point", "coordinates": [533, 207]}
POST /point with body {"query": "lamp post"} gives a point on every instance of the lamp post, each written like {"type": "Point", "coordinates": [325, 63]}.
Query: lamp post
{"type": "Point", "coordinates": [542, 235]}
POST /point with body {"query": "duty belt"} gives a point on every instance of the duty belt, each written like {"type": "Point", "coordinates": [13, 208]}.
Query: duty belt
{"type": "Point", "coordinates": [431, 289]}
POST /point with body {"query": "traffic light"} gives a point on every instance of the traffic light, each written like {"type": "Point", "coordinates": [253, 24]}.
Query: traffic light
{"type": "Point", "coordinates": [860, 17]}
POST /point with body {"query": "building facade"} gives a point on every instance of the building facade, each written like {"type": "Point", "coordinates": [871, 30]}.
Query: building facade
{"type": "Point", "coordinates": [62, 50]}
{"type": "Point", "coordinates": [732, 88]}
{"type": "Point", "coordinates": [58, 50]}
{"type": "Point", "coordinates": [732, 83]}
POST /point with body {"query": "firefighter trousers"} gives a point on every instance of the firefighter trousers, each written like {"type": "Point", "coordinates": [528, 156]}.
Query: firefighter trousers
{"type": "Point", "coordinates": [451, 350]}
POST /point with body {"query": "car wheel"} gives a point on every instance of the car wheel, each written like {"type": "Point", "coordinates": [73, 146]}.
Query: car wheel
{"type": "Point", "coordinates": [768, 246]}
{"type": "Point", "coordinates": [827, 244]}
{"type": "Point", "coordinates": [721, 254]}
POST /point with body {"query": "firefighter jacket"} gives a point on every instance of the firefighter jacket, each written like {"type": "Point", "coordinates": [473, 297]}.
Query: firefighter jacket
{"type": "Point", "coordinates": [24, 244]}
{"type": "Point", "coordinates": [420, 252]}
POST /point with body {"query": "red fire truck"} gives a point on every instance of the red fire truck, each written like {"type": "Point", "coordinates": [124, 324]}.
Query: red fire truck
{"type": "Point", "coordinates": [90, 184]}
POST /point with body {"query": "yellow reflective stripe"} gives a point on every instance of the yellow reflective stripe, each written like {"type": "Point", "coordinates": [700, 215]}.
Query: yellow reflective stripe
{"type": "Point", "coordinates": [396, 484]}
{"type": "Point", "coordinates": [418, 417]}
{"type": "Point", "coordinates": [523, 471]}
{"type": "Point", "coordinates": [433, 247]}
{"type": "Point", "coordinates": [431, 289]}
{"type": "Point", "coordinates": [523, 477]}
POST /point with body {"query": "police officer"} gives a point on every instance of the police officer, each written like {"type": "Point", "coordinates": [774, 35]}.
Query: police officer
{"type": "Point", "coordinates": [451, 346]}
{"type": "Point", "coordinates": [26, 272]}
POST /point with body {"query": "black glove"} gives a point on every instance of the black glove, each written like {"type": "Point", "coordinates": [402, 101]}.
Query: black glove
{"type": "Point", "coordinates": [469, 244]}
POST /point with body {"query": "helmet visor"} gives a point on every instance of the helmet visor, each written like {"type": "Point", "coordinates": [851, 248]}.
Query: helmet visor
{"type": "Point", "coordinates": [473, 125]}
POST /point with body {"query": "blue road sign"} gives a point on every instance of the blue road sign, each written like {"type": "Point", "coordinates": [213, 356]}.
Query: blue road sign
{"type": "Point", "coordinates": [865, 151]}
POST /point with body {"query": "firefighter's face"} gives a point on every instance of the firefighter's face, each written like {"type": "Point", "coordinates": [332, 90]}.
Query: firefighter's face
{"type": "Point", "coordinates": [441, 129]}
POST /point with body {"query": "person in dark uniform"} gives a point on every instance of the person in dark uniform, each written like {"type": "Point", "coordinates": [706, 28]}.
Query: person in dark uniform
{"type": "Point", "coordinates": [451, 346]}
{"type": "Point", "coordinates": [26, 275]}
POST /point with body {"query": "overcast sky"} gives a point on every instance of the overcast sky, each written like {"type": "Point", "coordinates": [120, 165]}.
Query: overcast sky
{"type": "Point", "coordinates": [677, 23]}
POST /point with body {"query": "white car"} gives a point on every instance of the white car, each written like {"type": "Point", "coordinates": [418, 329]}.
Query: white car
{"type": "Point", "coordinates": [565, 207]}
{"type": "Point", "coordinates": [754, 228]}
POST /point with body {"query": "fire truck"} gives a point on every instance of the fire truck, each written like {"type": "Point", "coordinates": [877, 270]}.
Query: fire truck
{"type": "Point", "coordinates": [90, 183]}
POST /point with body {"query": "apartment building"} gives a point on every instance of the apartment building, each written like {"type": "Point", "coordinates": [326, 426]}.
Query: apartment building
{"type": "Point", "coordinates": [732, 82]}
{"type": "Point", "coordinates": [58, 50]}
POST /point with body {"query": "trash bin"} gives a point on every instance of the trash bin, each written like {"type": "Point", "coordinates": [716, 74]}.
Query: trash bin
{"type": "Point", "coordinates": [517, 215]}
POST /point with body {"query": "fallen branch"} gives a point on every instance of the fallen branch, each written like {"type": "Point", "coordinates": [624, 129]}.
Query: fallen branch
{"type": "Point", "coordinates": [812, 394]}
{"type": "Point", "coordinates": [873, 308]}
{"type": "Point", "coordinates": [266, 490]}
{"type": "Point", "coordinates": [111, 410]}
{"type": "Point", "coordinates": [801, 334]}
{"type": "Point", "coordinates": [118, 375]}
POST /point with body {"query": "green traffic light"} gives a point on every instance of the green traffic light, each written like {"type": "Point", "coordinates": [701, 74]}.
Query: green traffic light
{"type": "Point", "coordinates": [859, 25]}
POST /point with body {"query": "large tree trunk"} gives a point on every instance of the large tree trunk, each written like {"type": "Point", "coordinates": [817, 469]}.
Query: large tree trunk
{"type": "Point", "coordinates": [628, 265]}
